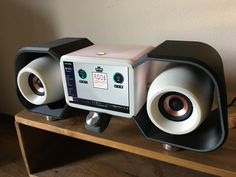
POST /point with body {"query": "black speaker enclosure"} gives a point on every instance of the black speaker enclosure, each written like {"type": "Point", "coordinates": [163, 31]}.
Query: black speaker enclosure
{"type": "Point", "coordinates": [212, 133]}
{"type": "Point", "coordinates": [55, 49]}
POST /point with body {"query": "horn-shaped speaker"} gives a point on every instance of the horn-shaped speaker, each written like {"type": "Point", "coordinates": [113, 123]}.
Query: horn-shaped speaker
{"type": "Point", "coordinates": [177, 112]}
{"type": "Point", "coordinates": [38, 77]}
{"type": "Point", "coordinates": [179, 99]}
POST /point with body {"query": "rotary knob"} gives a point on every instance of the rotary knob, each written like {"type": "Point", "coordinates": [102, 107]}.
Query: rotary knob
{"type": "Point", "coordinates": [93, 119]}
{"type": "Point", "coordinates": [82, 74]}
{"type": "Point", "coordinates": [118, 78]}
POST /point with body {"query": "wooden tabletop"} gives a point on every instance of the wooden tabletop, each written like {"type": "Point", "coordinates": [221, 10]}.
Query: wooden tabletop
{"type": "Point", "coordinates": [124, 135]}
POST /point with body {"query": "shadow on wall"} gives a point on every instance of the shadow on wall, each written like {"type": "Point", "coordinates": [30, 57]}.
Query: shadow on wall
{"type": "Point", "coordinates": [21, 25]}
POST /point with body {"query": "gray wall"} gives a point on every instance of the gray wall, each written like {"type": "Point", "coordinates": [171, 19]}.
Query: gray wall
{"type": "Point", "coordinates": [147, 22]}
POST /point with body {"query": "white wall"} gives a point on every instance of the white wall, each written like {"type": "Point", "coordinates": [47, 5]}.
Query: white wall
{"type": "Point", "coordinates": [148, 22]}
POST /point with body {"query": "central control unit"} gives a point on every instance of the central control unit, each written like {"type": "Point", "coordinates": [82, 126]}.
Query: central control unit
{"type": "Point", "coordinates": [103, 79]}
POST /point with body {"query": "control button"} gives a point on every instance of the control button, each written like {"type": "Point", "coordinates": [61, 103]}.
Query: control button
{"type": "Point", "coordinates": [82, 74]}
{"type": "Point", "coordinates": [118, 78]}
{"type": "Point", "coordinates": [83, 82]}
{"type": "Point", "coordinates": [118, 86]}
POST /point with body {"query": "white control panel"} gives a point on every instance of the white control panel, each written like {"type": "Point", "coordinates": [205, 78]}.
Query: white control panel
{"type": "Point", "coordinates": [102, 79]}
{"type": "Point", "coordinates": [98, 85]}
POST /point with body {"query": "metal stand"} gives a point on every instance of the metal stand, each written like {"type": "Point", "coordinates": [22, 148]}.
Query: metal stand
{"type": "Point", "coordinates": [50, 118]}
{"type": "Point", "coordinates": [97, 122]}
{"type": "Point", "coordinates": [172, 148]}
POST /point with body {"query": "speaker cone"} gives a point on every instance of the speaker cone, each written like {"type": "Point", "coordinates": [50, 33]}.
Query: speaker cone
{"type": "Point", "coordinates": [175, 106]}
{"type": "Point", "coordinates": [36, 85]}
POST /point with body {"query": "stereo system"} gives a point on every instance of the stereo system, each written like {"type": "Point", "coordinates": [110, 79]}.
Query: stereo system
{"type": "Point", "coordinates": [55, 77]}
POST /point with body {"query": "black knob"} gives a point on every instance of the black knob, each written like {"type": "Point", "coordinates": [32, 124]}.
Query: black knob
{"type": "Point", "coordinates": [82, 74]}
{"type": "Point", "coordinates": [118, 78]}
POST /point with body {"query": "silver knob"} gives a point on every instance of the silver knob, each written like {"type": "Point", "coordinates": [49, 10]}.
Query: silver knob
{"type": "Point", "coordinates": [93, 119]}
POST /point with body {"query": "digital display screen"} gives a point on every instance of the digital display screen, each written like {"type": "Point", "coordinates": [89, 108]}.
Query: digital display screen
{"type": "Point", "coordinates": [100, 80]}
{"type": "Point", "coordinates": [70, 79]}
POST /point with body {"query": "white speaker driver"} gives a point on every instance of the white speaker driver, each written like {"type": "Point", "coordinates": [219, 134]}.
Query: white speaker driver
{"type": "Point", "coordinates": [40, 81]}
{"type": "Point", "coordinates": [179, 99]}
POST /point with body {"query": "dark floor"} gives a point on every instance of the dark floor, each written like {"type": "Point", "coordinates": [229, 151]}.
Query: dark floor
{"type": "Point", "coordinates": [11, 162]}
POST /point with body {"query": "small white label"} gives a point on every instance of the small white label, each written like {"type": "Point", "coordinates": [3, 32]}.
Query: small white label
{"type": "Point", "coordinates": [100, 80]}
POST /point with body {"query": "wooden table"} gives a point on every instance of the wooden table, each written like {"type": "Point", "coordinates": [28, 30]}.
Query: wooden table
{"type": "Point", "coordinates": [65, 147]}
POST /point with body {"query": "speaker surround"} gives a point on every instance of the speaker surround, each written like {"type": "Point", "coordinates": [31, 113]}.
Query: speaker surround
{"type": "Point", "coordinates": [175, 106]}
